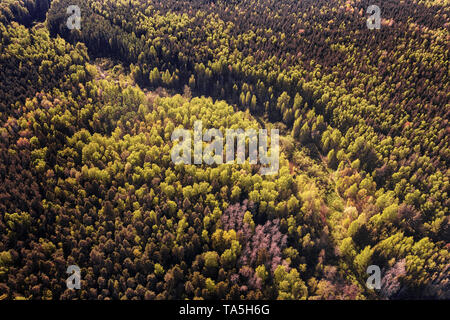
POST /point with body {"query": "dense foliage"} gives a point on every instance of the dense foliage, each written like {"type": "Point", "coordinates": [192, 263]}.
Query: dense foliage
{"type": "Point", "coordinates": [86, 176]}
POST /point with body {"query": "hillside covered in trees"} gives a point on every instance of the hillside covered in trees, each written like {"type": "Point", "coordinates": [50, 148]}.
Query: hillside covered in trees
{"type": "Point", "coordinates": [87, 179]}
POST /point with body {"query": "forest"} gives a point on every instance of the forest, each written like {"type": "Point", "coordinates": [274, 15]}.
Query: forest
{"type": "Point", "coordinates": [86, 176]}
